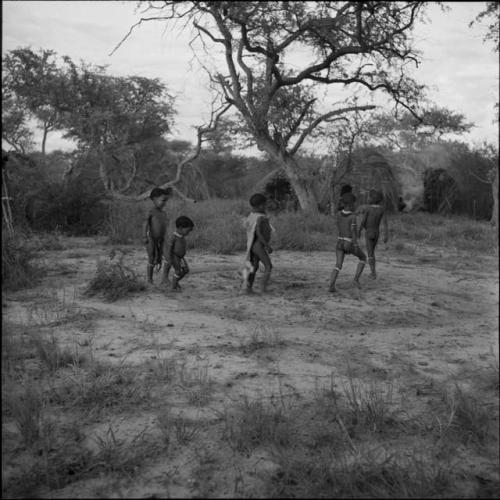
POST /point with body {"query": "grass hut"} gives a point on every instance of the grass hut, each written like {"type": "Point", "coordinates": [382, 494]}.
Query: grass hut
{"type": "Point", "coordinates": [372, 170]}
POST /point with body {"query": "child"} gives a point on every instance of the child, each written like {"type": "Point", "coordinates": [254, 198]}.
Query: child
{"type": "Point", "coordinates": [154, 229]}
{"type": "Point", "coordinates": [258, 248]}
{"type": "Point", "coordinates": [347, 241]}
{"type": "Point", "coordinates": [176, 250]}
{"type": "Point", "coordinates": [374, 213]}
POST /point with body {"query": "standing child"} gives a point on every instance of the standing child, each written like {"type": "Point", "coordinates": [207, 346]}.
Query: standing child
{"type": "Point", "coordinates": [258, 248]}
{"type": "Point", "coordinates": [374, 213]}
{"type": "Point", "coordinates": [347, 241]}
{"type": "Point", "coordinates": [176, 250]}
{"type": "Point", "coordinates": [154, 229]}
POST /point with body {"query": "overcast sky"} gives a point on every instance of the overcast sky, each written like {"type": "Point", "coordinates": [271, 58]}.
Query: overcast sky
{"type": "Point", "coordinates": [461, 70]}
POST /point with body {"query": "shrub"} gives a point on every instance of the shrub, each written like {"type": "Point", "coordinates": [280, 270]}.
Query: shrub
{"type": "Point", "coordinates": [18, 270]}
{"type": "Point", "coordinates": [75, 208]}
{"type": "Point", "coordinates": [113, 280]}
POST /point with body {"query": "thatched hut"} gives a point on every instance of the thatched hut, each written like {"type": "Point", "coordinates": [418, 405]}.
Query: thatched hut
{"type": "Point", "coordinates": [445, 178]}
{"type": "Point", "coordinates": [370, 169]}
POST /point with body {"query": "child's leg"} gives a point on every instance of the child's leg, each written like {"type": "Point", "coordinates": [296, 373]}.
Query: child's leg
{"type": "Point", "coordinates": [166, 271]}
{"type": "Point", "coordinates": [370, 250]}
{"type": "Point", "coordinates": [263, 256]}
{"type": "Point", "coordinates": [183, 269]}
{"type": "Point", "coordinates": [150, 249]}
{"type": "Point", "coordinates": [336, 270]}
{"type": "Point", "coordinates": [254, 260]}
{"type": "Point", "coordinates": [176, 264]}
{"type": "Point", "coordinates": [361, 264]}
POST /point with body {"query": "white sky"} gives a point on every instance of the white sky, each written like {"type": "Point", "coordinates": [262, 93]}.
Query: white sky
{"type": "Point", "coordinates": [461, 71]}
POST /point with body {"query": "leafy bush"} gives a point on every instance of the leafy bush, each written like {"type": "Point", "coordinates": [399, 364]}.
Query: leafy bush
{"type": "Point", "coordinates": [18, 271]}
{"type": "Point", "coordinates": [74, 208]}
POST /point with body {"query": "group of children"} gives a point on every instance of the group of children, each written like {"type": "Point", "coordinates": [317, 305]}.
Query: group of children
{"type": "Point", "coordinates": [350, 223]}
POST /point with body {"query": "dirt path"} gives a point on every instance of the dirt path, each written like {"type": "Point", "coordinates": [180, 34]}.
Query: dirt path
{"type": "Point", "coordinates": [428, 318]}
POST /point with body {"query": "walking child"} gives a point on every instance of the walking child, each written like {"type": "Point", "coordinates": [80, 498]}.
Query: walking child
{"type": "Point", "coordinates": [347, 241]}
{"type": "Point", "coordinates": [176, 251]}
{"type": "Point", "coordinates": [373, 214]}
{"type": "Point", "coordinates": [258, 249]}
{"type": "Point", "coordinates": [154, 230]}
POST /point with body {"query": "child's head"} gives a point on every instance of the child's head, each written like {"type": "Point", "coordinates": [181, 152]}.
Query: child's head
{"type": "Point", "coordinates": [184, 225]}
{"type": "Point", "coordinates": [375, 196]}
{"type": "Point", "coordinates": [348, 199]}
{"type": "Point", "coordinates": [346, 188]}
{"type": "Point", "coordinates": [258, 201]}
{"type": "Point", "coordinates": [160, 196]}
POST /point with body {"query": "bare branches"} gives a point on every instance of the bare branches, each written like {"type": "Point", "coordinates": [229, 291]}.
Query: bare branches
{"type": "Point", "coordinates": [298, 121]}
{"type": "Point", "coordinates": [133, 27]}
{"type": "Point", "coordinates": [202, 131]}
{"type": "Point", "coordinates": [323, 118]}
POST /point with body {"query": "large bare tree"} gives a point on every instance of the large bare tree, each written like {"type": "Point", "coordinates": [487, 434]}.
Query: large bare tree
{"type": "Point", "coordinates": [358, 45]}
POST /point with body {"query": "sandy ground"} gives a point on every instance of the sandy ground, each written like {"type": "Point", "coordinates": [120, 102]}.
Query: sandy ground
{"type": "Point", "coordinates": [430, 317]}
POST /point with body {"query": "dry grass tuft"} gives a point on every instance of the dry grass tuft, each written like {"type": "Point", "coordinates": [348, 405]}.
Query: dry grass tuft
{"type": "Point", "coordinates": [114, 280]}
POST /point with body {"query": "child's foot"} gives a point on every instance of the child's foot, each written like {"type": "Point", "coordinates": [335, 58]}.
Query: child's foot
{"type": "Point", "coordinates": [248, 291]}
{"type": "Point", "coordinates": [332, 289]}
{"type": "Point", "coordinates": [356, 284]}
{"type": "Point", "coordinates": [373, 276]}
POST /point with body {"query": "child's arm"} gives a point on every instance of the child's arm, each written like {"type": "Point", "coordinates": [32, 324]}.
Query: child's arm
{"type": "Point", "coordinates": [386, 227]}
{"type": "Point", "coordinates": [362, 223]}
{"type": "Point", "coordinates": [145, 228]}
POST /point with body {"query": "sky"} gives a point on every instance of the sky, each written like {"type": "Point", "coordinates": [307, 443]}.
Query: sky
{"type": "Point", "coordinates": [461, 71]}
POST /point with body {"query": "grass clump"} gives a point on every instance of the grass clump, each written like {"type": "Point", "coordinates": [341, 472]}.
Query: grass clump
{"type": "Point", "coordinates": [52, 355]}
{"type": "Point", "coordinates": [255, 423]}
{"type": "Point", "coordinates": [26, 408]}
{"type": "Point", "coordinates": [103, 386]}
{"type": "Point", "coordinates": [197, 383]}
{"type": "Point", "coordinates": [260, 338]}
{"type": "Point", "coordinates": [468, 418]}
{"type": "Point", "coordinates": [183, 428]}
{"type": "Point", "coordinates": [113, 280]}
{"type": "Point", "coordinates": [365, 475]}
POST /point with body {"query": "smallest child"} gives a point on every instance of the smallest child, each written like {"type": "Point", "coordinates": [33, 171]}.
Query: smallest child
{"type": "Point", "coordinates": [176, 250]}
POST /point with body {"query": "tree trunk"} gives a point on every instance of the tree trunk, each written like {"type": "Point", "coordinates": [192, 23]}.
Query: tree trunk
{"type": "Point", "coordinates": [44, 138]}
{"type": "Point", "coordinates": [494, 189]}
{"type": "Point", "coordinates": [303, 190]}
{"type": "Point", "coordinates": [305, 194]}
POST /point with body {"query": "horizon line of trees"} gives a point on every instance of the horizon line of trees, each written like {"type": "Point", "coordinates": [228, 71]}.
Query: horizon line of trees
{"type": "Point", "coordinates": [121, 124]}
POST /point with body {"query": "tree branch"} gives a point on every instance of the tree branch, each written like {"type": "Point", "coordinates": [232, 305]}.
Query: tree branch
{"type": "Point", "coordinates": [325, 117]}
{"type": "Point", "coordinates": [201, 133]}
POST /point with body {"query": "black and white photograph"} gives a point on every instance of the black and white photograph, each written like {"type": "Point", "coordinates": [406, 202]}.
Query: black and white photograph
{"type": "Point", "coordinates": [250, 249]}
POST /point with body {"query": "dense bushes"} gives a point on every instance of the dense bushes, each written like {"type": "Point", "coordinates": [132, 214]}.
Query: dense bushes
{"type": "Point", "coordinates": [73, 208]}
{"type": "Point", "coordinates": [18, 271]}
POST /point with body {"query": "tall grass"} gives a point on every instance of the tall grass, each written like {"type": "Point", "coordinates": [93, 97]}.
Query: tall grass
{"type": "Point", "coordinates": [455, 231]}
{"type": "Point", "coordinates": [219, 227]}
